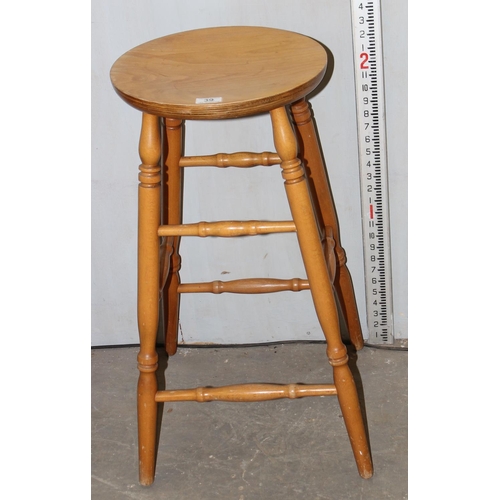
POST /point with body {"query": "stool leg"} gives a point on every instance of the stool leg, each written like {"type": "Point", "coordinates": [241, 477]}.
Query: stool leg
{"type": "Point", "coordinates": [172, 182]}
{"type": "Point", "coordinates": [148, 293]}
{"type": "Point", "coordinates": [322, 198]}
{"type": "Point", "coordinates": [317, 272]}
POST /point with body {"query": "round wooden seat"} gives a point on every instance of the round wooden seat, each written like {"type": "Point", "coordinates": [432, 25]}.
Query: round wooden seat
{"type": "Point", "coordinates": [224, 72]}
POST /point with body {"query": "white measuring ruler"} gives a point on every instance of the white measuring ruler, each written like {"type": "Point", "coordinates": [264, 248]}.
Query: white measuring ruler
{"type": "Point", "coordinates": [370, 108]}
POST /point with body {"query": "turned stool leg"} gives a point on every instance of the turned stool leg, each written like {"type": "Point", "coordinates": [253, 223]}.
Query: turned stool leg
{"type": "Point", "coordinates": [148, 293]}
{"type": "Point", "coordinates": [171, 214]}
{"type": "Point", "coordinates": [322, 198]}
{"type": "Point", "coordinates": [317, 272]}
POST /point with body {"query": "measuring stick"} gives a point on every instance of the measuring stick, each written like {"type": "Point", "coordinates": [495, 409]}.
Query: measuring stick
{"type": "Point", "coordinates": [370, 109]}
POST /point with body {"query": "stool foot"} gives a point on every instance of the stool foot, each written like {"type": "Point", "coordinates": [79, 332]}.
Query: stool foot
{"type": "Point", "coordinates": [327, 215]}
{"type": "Point", "coordinates": [351, 411]}
{"type": "Point", "coordinates": [146, 422]}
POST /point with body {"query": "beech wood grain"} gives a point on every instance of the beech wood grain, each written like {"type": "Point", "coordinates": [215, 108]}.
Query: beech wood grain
{"type": "Point", "coordinates": [247, 67]}
{"type": "Point", "coordinates": [247, 392]}
{"type": "Point", "coordinates": [227, 229]}
{"type": "Point", "coordinates": [223, 160]}
{"type": "Point", "coordinates": [148, 293]}
{"type": "Point", "coordinates": [250, 285]}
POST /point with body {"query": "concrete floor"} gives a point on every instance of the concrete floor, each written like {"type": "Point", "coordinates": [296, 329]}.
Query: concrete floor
{"type": "Point", "coordinates": [282, 449]}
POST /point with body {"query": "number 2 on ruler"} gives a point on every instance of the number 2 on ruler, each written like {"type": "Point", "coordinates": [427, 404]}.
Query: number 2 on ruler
{"type": "Point", "coordinates": [364, 60]}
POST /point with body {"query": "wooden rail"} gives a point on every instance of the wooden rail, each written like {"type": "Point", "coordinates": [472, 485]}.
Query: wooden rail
{"type": "Point", "coordinates": [246, 392]}
{"type": "Point", "coordinates": [223, 160]}
{"type": "Point", "coordinates": [252, 285]}
{"type": "Point", "coordinates": [227, 228]}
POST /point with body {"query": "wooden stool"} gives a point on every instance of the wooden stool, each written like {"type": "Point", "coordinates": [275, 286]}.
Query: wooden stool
{"type": "Point", "coordinates": [232, 72]}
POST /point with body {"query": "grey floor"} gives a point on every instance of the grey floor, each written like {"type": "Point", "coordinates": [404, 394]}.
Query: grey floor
{"type": "Point", "coordinates": [282, 449]}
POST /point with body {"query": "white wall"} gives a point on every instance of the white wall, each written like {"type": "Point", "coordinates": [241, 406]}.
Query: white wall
{"type": "Point", "coordinates": [211, 194]}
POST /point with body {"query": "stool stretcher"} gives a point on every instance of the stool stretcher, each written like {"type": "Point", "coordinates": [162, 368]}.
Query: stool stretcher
{"type": "Point", "coordinates": [246, 392]}
{"type": "Point", "coordinates": [227, 228]}
{"type": "Point", "coordinates": [251, 285]}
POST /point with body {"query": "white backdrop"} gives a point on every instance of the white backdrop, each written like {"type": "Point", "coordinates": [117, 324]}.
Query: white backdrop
{"type": "Point", "coordinates": [212, 194]}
